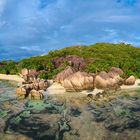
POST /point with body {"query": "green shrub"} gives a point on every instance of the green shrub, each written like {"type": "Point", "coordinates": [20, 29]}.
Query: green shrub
{"type": "Point", "coordinates": [9, 67]}
{"type": "Point", "coordinates": [43, 75]}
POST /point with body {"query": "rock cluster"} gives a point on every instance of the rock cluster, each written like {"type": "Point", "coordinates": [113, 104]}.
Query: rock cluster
{"type": "Point", "coordinates": [29, 75]}
{"type": "Point", "coordinates": [33, 90]}
{"type": "Point", "coordinates": [76, 62]}
{"type": "Point", "coordinates": [33, 86]}
{"type": "Point", "coordinates": [73, 80]}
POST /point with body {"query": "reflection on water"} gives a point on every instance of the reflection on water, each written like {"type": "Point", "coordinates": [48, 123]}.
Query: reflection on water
{"type": "Point", "coordinates": [68, 117]}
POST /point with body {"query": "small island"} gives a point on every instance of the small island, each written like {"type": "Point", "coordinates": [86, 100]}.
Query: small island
{"type": "Point", "coordinates": [74, 93]}
{"type": "Point", "coordinates": [101, 66]}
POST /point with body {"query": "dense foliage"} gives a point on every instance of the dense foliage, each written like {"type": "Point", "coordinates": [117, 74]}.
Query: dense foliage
{"type": "Point", "coordinates": [102, 56]}
{"type": "Point", "coordinates": [8, 67]}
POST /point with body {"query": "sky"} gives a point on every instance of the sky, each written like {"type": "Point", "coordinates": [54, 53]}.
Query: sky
{"type": "Point", "coordinates": [34, 27]}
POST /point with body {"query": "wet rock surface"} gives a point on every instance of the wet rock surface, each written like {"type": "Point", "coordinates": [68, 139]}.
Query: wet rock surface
{"type": "Point", "coordinates": [69, 117]}
{"type": "Point", "coordinates": [118, 115]}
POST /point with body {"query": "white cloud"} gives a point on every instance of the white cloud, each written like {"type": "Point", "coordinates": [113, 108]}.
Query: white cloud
{"type": "Point", "coordinates": [2, 6]}
{"type": "Point", "coordinates": [31, 48]}
{"type": "Point", "coordinates": [116, 18]}
{"type": "Point", "coordinates": [65, 22]}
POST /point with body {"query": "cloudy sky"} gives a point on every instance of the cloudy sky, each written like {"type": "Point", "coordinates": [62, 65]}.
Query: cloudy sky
{"type": "Point", "coordinates": [33, 27]}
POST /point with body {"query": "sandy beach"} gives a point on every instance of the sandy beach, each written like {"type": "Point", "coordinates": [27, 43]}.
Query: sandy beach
{"type": "Point", "coordinates": [11, 78]}
{"type": "Point", "coordinates": [57, 88]}
{"type": "Point", "coordinates": [135, 86]}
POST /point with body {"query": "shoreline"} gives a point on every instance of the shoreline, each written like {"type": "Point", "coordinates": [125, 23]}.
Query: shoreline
{"type": "Point", "coordinates": [135, 86]}
{"type": "Point", "coordinates": [58, 89]}
{"type": "Point", "coordinates": [15, 78]}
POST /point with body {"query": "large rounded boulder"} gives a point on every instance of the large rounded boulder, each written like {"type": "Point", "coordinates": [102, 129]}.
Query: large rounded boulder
{"type": "Point", "coordinates": [64, 74]}
{"type": "Point", "coordinates": [104, 81]}
{"type": "Point", "coordinates": [21, 92]}
{"type": "Point", "coordinates": [43, 85]}
{"type": "Point", "coordinates": [100, 82]}
{"type": "Point", "coordinates": [78, 81]}
{"type": "Point", "coordinates": [104, 75]}
{"type": "Point", "coordinates": [130, 80]}
{"type": "Point", "coordinates": [36, 95]}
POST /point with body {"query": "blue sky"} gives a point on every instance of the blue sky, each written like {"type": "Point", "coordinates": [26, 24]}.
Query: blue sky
{"type": "Point", "coordinates": [33, 27]}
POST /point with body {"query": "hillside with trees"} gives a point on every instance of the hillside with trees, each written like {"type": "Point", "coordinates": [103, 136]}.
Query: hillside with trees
{"type": "Point", "coordinates": [93, 58]}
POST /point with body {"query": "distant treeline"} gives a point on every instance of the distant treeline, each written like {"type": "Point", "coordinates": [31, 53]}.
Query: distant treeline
{"type": "Point", "coordinates": [102, 56]}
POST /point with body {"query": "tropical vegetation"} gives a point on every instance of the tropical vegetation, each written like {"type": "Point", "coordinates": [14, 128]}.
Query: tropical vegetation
{"type": "Point", "coordinates": [102, 56]}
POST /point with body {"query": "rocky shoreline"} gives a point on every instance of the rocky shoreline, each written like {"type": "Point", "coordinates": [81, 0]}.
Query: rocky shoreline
{"type": "Point", "coordinates": [72, 80]}
{"type": "Point", "coordinates": [114, 114]}
{"type": "Point", "coordinates": [72, 117]}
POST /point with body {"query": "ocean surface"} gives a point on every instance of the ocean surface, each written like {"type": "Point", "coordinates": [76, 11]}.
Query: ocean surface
{"type": "Point", "coordinates": [70, 116]}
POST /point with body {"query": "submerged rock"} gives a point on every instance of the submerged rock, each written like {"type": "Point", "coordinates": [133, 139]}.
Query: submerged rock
{"type": "Point", "coordinates": [74, 111]}
{"type": "Point", "coordinates": [32, 126]}
{"type": "Point", "coordinates": [118, 115]}
{"type": "Point", "coordinates": [60, 118]}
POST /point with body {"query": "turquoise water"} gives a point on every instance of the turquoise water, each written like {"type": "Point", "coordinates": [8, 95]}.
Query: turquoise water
{"type": "Point", "coordinates": [67, 117]}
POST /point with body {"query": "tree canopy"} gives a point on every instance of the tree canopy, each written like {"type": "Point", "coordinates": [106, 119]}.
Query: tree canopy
{"type": "Point", "coordinates": [102, 56]}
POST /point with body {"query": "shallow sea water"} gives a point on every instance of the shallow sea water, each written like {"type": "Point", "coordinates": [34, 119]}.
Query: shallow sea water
{"type": "Point", "coordinates": [69, 117]}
